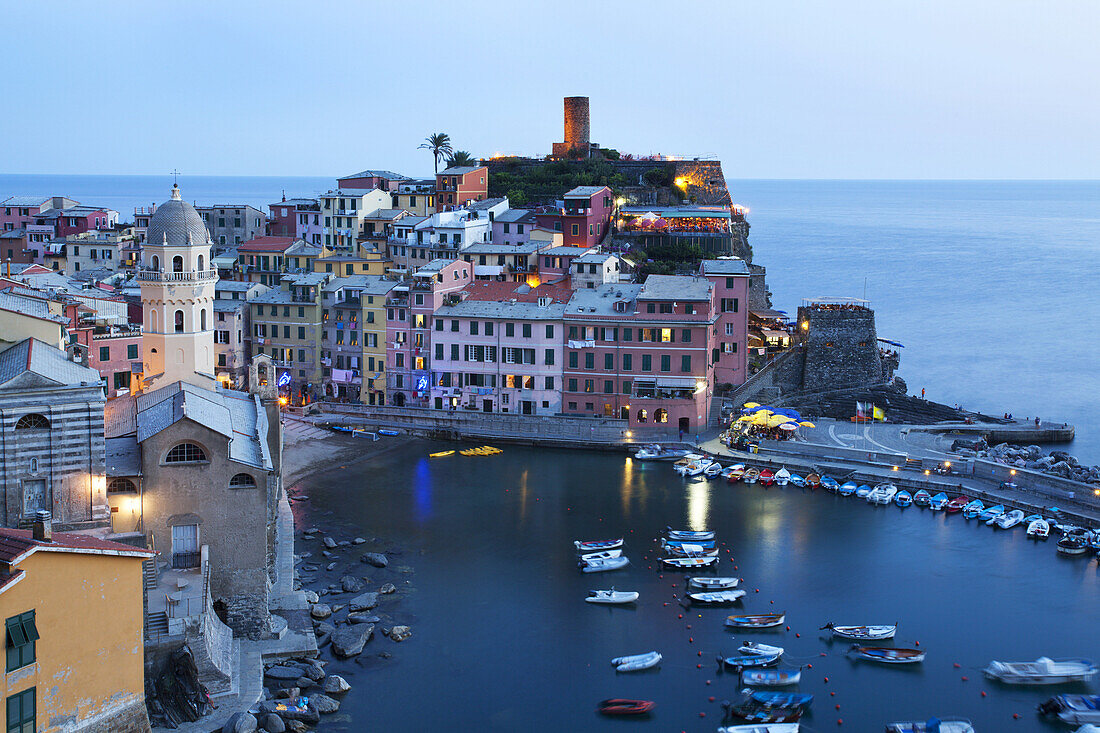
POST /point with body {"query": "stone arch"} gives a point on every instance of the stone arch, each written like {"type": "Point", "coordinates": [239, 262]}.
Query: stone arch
{"type": "Point", "coordinates": [178, 321]}
{"type": "Point", "coordinates": [261, 377]}
{"type": "Point", "coordinates": [399, 399]}
{"type": "Point", "coordinates": [33, 421]}
{"type": "Point", "coordinates": [202, 318]}
{"type": "Point", "coordinates": [202, 260]}
{"type": "Point", "coordinates": [186, 451]}
{"type": "Point", "coordinates": [156, 263]}
{"type": "Point", "coordinates": [177, 264]}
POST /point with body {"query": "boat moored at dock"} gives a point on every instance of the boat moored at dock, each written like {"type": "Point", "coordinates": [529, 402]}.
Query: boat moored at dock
{"type": "Point", "coordinates": [862, 633]}
{"type": "Point", "coordinates": [888, 655]}
{"type": "Point", "coordinates": [756, 620]}
{"type": "Point", "coordinates": [1073, 709]}
{"type": "Point", "coordinates": [1043, 671]}
{"type": "Point", "coordinates": [932, 725]}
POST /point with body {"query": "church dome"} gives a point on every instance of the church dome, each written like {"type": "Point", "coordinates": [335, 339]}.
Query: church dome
{"type": "Point", "coordinates": [173, 221]}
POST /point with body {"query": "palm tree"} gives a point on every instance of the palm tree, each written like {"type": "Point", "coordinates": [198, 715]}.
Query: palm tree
{"type": "Point", "coordinates": [439, 144]}
{"type": "Point", "coordinates": [460, 158]}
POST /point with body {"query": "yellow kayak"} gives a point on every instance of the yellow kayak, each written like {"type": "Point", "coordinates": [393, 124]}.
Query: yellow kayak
{"type": "Point", "coordinates": [442, 453]}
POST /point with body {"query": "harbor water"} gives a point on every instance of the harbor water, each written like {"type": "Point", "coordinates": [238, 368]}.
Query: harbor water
{"type": "Point", "coordinates": [503, 640]}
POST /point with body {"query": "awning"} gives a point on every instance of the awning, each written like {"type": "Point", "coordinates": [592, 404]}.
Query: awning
{"type": "Point", "coordinates": [769, 313]}
{"type": "Point", "coordinates": [676, 382]}
{"type": "Point", "coordinates": [491, 270]}
{"type": "Point", "coordinates": [892, 343]}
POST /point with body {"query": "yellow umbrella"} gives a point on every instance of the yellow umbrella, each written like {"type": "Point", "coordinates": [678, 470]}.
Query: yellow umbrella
{"type": "Point", "coordinates": [764, 412]}
{"type": "Point", "coordinates": [745, 418]}
{"type": "Point", "coordinates": [758, 419]}
{"type": "Point", "coordinates": [751, 404]}
{"type": "Point", "coordinates": [776, 420]}
{"type": "Point", "coordinates": [807, 424]}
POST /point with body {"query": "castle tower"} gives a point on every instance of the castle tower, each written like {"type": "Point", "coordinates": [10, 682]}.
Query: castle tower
{"type": "Point", "coordinates": [177, 297]}
{"type": "Point", "coordinates": [576, 123]}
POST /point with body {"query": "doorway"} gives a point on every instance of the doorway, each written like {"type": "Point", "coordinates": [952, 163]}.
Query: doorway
{"type": "Point", "coordinates": [685, 425]}
{"type": "Point", "coordinates": [34, 496]}
{"type": "Point", "coordinates": [185, 546]}
{"type": "Point", "coordinates": [486, 405]}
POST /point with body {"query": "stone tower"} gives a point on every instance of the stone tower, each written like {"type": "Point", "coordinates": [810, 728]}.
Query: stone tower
{"type": "Point", "coordinates": [576, 123]}
{"type": "Point", "coordinates": [841, 343]}
{"type": "Point", "coordinates": [177, 297]}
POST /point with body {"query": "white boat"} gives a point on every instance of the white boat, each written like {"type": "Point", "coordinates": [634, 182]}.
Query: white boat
{"type": "Point", "coordinates": [681, 465]}
{"type": "Point", "coordinates": [688, 535]}
{"type": "Point", "coordinates": [1074, 709]}
{"type": "Point", "coordinates": [689, 562]}
{"type": "Point", "coordinates": [637, 662]}
{"type": "Point", "coordinates": [797, 480]}
{"type": "Point", "coordinates": [597, 545]}
{"type": "Point", "coordinates": [863, 491]}
{"type": "Point", "coordinates": [611, 597]}
{"type": "Point", "coordinates": [729, 472]}
{"type": "Point", "coordinates": [752, 647]}
{"type": "Point", "coordinates": [603, 555]}
{"type": "Point", "coordinates": [713, 583]}
{"type": "Point", "coordinates": [782, 477]}
{"type": "Point", "coordinates": [1043, 671]}
{"type": "Point", "coordinates": [718, 596]}
{"type": "Point", "coordinates": [713, 470]}
{"type": "Point", "coordinates": [1038, 529]}
{"type": "Point", "coordinates": [932, 725]}
{"type": "Point", "coordinates": [658, 452]}
{"type": "Point", "coordinates": [676, 550]}
{"type": "Point", "coordinates": [693, 468]}
{"type": "Point", "coordinates": [882, 494]}
{"type": "Point", "coordinates": [862, 632]}
{"type": "Point", "coordinates": [771, 677]}
{"type": "Point", "coordinates": [599, 566]}
{"type": "Point", "coordinates": [1010, 520]}
{"type": "Point", "coordinates": [760, 728]}
{"type": "Point", "coordinates": [1088, 728]}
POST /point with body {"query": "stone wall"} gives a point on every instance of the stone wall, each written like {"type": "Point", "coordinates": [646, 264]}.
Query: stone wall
{"type": "Point", "coordinates": [760, 298]}
{"type": "Point", "coordinates": [127, 716]}
{"type": "Point", "coordinates": [705, 181]}
{"type": "Point", "coordinates": [841, 348]}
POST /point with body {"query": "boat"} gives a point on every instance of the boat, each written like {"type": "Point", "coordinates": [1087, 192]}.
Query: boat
{"type": "Point", "coordinates": [762, 716]}
{"type": "Point", "coordinates": [749, 660]}
{"type": "Point", "coordinates": [760, 728]}
{"type": "Point", "coordinates": [441, 454]}
{"type": "Point", "coordinates": [680, 544]}
{"type": "Point", "coordinates": [771, 677]}
{"type": "Point", "coordinates": [750, 476]}
{"type": "Point", "coordinates": [718, 596]}
{"type": "Point", "coordinates": [344, 428]}
{"type": "Point", "coordinates": [797, 480]}
{"type": "Point", "coordinates": [847, 488]}
{"type": "Point", "coordinates": [602, 555]}
{"type": "Point", "coordinates": [889, 655]}
{"type": "Point", "coordinates": [1038, 529]}
{"type": "Point", "coordinates": [688, 535]}
{"type": "Point", "coordinates": [735, 472]}
{"type": "Point", "coordinates": [1009, 520]}
{"type": "Point", "coordinates": [713, 583]}
{"type": "Point", "coordinates": [689, 562]}
{"type": "Point", "coordinates": [829, 484]}
{"type": "Point", "coordinates": [813, 481]}
{"type": "Point", "coordinates": [932, 725]}
{"type": "Point", "coordinates": [688, 550]}
{"type": "Point", "coordinates": [864, 633]}
{"type": "Point", "coordinates": [681, 465]}
{"type": "Point", "coordinates": [611, 597]}
{"type": "Point", "coordinates": [1031, 518]}
{"type": "Point", "coordinates": [903, 499]}
{"type": "Point", "coordinates": [922, 498]}
{"type": "Point", "coordinates": [991, 512]}
{"type": "Point", "coordinates": [767, 477]}
{"type": "Point", "coordinates": [637, 662]}
{"type": "Point", "coordinates": [692, 468]}
{"type": "Point", "coordinates": [938, 502]}
{"type": "Point", "coordinates": [1043, 671]}
{"type": "Point", "coordinates": [657, 452]}
{"type": "Point", "coordinates": [1073, 709]}
{"type": "Point", "coordinates": [623, 706]}
{"type": "Point", "coordinates": [756, 620]}
{"type": "Point", "coordinates": [753, 647]}
{"type": "Point", "coordinates": [956, 505]}
{"type": "Point", "coordinates": [882, 494]}
{"type": "Point", "coordinates": [600, 566]}
{"type": "Point", "coordinates": [485, 450]}
{"type": "Point", "coordinates": [782, 477]}
{"type": "Point", "coordinates": [1073, 545]}
{"type": "Point", "coordinates": [863, 491]}
{"type": "Point", "coordinates": [388, 431]}
{"type": "Point", "coordinates": [597, 545]}
{"type": "Point", "coordinates": [973, 509]}
{"type": "Point", "coordinates": [713, 470]}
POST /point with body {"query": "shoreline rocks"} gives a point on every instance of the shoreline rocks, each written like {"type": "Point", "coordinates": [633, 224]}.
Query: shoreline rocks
{"type": "Point", "coordinates": [348, 641]}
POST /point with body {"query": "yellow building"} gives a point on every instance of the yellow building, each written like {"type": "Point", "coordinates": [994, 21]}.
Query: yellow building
{"type": "Point", "coordinates": [72, 605]}
{"type": "Point", "coordinates": [286, 325]}
{"type": "Point", "coordinates": [364, 259]}
{"type": "Point", "coordinates": [416, 197]}
{"type": "Point", "coordinates": [27, 317]}
{"type": "Point", "coordinates": [353, 347]}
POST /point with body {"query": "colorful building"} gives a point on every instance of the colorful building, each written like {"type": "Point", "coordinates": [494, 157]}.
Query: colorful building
{"type": "Point", "coordinates": [369, 179]}
{"type": "Point", "coordinates": [296, 218]}
{"type": "Point", "coordinates": [415, 196]}
{"type": "Point", "coordinates": [731, 300]}
{"type": "Point", "coordinates": [63, 674]}
{"type": "Point", "coordinates": [342, 213]}
{"type": "Point", "coordinates": [457, 187]}
{"type": "Point", "coordinates": [286, 326]}
{"type": "Point", "coordinates": [262, 260]}
{"type": "Point", "coordinates": [232, 224]}
{"type": "Point", "coordinates": [353, 351]}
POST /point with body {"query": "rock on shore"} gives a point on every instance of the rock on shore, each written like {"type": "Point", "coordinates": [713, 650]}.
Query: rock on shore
{"type": "Point", "coordinates": [349, 641]}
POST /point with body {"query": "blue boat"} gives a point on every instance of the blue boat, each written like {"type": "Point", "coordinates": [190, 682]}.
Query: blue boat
{"type": "Point", "coordinates": [973, 509]}
{"type": "Point", "coordinates": [797, 480]}
{"type": "Point", "coordinates": [782, 699]}
{"type": "Point", "coordinates": [829, 483]}
{"type": "Point", "coordinates": [750, 660]}
{"type": "Point", "coordinates": [679, 544]}
{"type": "Point", "coordinates": [991, 513]}
{"type": "Point", "coordinates": [847, 488]}
{"type": "Point", "coordinates": [862, 491]}
{"type": "Point", "coordinates": [388, 431]}
{"type": "Point", "coordinates": [903, 499]}
{"type": "Point", "coordinates": [921, 498]}
{"type": "Point", "coordinates": [939, 501]}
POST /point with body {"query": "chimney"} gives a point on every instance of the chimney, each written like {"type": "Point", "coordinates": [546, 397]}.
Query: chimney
{"type": "Point", "coordinates": [42, 529]}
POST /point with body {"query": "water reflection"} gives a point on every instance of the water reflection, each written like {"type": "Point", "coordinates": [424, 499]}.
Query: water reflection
{"type": "Point", "coordinates": [698, 505]}
{"type": "Point", "coordinates": [422, 491]}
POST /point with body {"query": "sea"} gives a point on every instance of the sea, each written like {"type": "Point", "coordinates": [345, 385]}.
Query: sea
{"type": "Point", "coordinates": [990, 285]}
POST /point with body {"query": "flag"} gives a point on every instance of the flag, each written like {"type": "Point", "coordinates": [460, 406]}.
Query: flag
{"type": "Point", "coordinates": [878, 413]}
{"type": "Point", "coordinates": [863, 409]}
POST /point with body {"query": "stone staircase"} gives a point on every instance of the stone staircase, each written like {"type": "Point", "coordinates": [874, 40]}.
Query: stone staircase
{"type": "Point", "coordinates": [156, 624]}
{"type": "Point", "coordinates": [149, 573]}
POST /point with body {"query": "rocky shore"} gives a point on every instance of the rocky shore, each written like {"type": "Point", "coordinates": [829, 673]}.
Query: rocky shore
{"type": "Point", "coordinates": [1056, 463]}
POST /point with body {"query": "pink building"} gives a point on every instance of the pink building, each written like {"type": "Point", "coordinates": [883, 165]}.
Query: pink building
{"type": "Point", "coordinates": [296, 218]}
{"type": "Point", "coordinates": [116, 355]}
{"type": "Point", "coordinates": [19, 211]}
{"type": "Point", "coordinates": [409, 310]}
{"type": "Point", "coordinates": [499, 349]}
{"type": "Point", "coordinates": [642, 353]}
{"type": "Point", "coordinates": [385, 180]}
{"type": "Point", "coordinates": [76, 219]}
{"type": "Point", "coordinates": [26, 244]}
{"type": "Point", "coordinates": [731, 301]}
{"type": "Point", "coordinates": [557, 262]}
{"type": "Point", "coordinates": [585, 217]}
{"type": "Point", "coordinates": [457, 187]}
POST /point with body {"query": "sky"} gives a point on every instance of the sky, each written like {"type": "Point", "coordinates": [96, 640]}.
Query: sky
{"type": "Point", "coordinates": [840, 89]}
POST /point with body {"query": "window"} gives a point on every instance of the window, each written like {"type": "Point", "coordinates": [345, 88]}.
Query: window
{"type": "Point", "coordinates": [666, 363]}
{"type": "Point", "coordinates": [685, 335]}
{"type": "Point", "coordinates": [626, 387]}
{"type": "Point", "coordinates": [509, 329]}
{"type": "Point", "coordinates": [589, 385]}
{"type": "Point", "coordinates": [33, 421]}
{"type": "Point", "coordinates": [242, 481]}
{"type": "Point", "coordinates": [527, 330]}
{"type": "Point", "coordinates": [608, 386]}
{"type": "Point", "coordinates": [666, 307]}
{"type": "Point", "coordinates": [488, 328]}
{"type": "Point", "coordinates": [179, 321]}
{"type": "Point", "coordinates": [439, 352]}
{"type": "Point", "coordinates": [642, 415]}
{"type": "Point", "coordinates": [438, 324]}
{"type": "Point", "coordinates": [473, 328]}
{"type": "Point", "coordinates": [628, 362]}
{"type": "Point", "coordinates": [301, 333]}
{"type": "Point", "coordinates": [121, 486]}
{"type": "Point", "coordinates": [21, 636]}
{"type": "Point", "coordinates": [131, 351]}
{"type": "Point", "coordinates": [689, 308]}
{"type": "Point", "coordinates": [20, 712]}
{"type": "Point", "coordinates": [647, 363]}
{"type": "Point", "coordinates": [685, 363]}
{"type": "Point", "coordinates": [454, 352]}
{"type": "Point", "coordinates": [589, 360]}
{"type": "Point", "coordinates": [609, 361]}
{"type": "Point", "coordinates": [667, 336]}
{"type": "Point", "coordinates": [572, 360]}
{"type": "Point", "coordinates": [729, 305]}
{"type": "Point", "coordinates": [576, 230]}
{"type": "Point", "coordinates": [185, 453]}
{"type": "Point", "coordinates": [650, 308]}
{"type": "Point", "coordinates": [549, 385]}
{"type": "Point", "coordinates": [549, 360]}
{"type": "Point", "coordinates": [573, 388]}
{"type": "Point", "coordinates": [104, 353]}
{"type": "Point", "coordinates": [549, 330]}
{"type": "Point", "coordinates": [628, 334]}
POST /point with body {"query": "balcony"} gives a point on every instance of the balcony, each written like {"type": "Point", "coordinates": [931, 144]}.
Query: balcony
{"type": "Point", "coordinates": [200, 276]}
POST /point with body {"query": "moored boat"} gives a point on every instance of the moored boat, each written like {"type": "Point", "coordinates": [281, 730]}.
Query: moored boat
{"type": "Point", "coordinates": [441, 454]}
{"type": "Point", "coordinates": [611, 597]}
{"type": "Point", "coordinates": [862, 633]}
{"type": "Point", "coordinates": [689, 562]}
{"type": "Point", "coordinates": [932, 725]}
{"type": "Point", "coordinates": [388, 431]}
{"type": "Point", "coordinates": [847, 488]}
{"type": "Point", "coordinates": [1043, 671]}
{"type": "Point", "coordinates": [674, 549]}
{"type": "Point", "coordinates": [751, 475]}
{"type": "Point", "coordinates": [601, 555]}
{"type": "Point", "coordinates": [863, 491]}
{"type": "Point", "coordinates": [753, 647]}
{"type": "Point", "coordinates": [597, 545]}
{"type": "Point", "coordinates": [883, 493]}
{"type": "Point", "coordinates": [689, 535]}
{"type": "Point", "coordinates": [713, 583]}
{"type": "Point", "coordinates": [1073, 545]}
{"type": "Point", "coordinates": [797, 480]}
{"type": "Point", "coordinates": [813, 481]}
{"type": "Point", "coordinates": [991, 512]}
{"type": "Point", "coordinates": [830, 484]}
{"type": "Point", "coordinates": [657, 452]}
{"type": "Point", "coordinates": [903, 499]}
{"type": "Point", "coordinates": [636, 662]}
{"type": "Point", "coordinates": [1009, 519]}
{"type": "Point", "coordinates": [623, 706]}
{"type": "Point", "coordinates": [782, 477]}
{"type": "Point", "coordinates": [888, 655]}
{"type": "Point", "coordinates": [767, 477]}
{"type": "Point", "coordinates": [756, 620]}
{"type": "Point", "coordinates": [771, 677]}
{"type": "Point", "coordinates": [749, 660]}
{"type": "Point", "coordinates": [599, 566]}
{"type": "Point", "coordinates": [1038, 529]}
{"type": "Point", "coordinates": [681, 465]}
{"type": "Point", "coordinates": [957, 504]}
{"type": "Point", "coordinates": [717, 597]}
{"type": "Point", "coordinates": [760, 728]}
{"type": "Point", "coordinates": [973, 509]}
{"type": "Point", "coordinates": [922, 498]}
{"type": "Point", "coordinates": [735, 472]}
{"type": "Point", "coordinates": [1073, 709]}
{"type": "Point", "coordinates": [938, 502]}
{"type": "Point", "coordinates": [713, 470]}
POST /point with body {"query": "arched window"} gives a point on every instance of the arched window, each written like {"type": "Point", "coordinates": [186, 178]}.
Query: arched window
{"type": "Point", "coordinates": [156, 263]}
{"type": "Point", "coordinates": [642, 415]}
{"type": "Point", "coordinates": [34, 465]}
{"type": "Point", "coordinates": [202, 319]}
{"type": "Point", "coordinates": [177, 264]}
{"type": "Point", "coordinates": [121, 486]}
{"type": "Point", "coordinates": [33, 421]}
{"type": "Point", "coordinates": [242, 481]}
{"type": "Point", "coordinates": [201, 261]}
{"type": "Point", "coordinates": [179, 321]}
{"type": "Point", "coordinates": [152, 320]}
{"type": "Point", "coordinates": [661, 415]}
{"type": "Point", "coordinates": [185, 453]}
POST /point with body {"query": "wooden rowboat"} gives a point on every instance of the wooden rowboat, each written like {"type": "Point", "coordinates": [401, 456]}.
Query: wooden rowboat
{"type": "Point", "coordinates": [756, 620]}
{"type": "Point", "coordinates": [889, 655]}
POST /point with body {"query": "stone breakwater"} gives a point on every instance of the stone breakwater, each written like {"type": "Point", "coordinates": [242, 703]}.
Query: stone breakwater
{"type": "Point", "coordinates": [1056, 463]}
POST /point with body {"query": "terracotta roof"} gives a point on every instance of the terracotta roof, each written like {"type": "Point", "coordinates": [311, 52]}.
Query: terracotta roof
{"type": "Point", "coordinates": [17, 544]}
{"type": "Point", "coordinates": [266, 244]}
{"type": "Point", "coordinates": [9, 579]}
{"type": "Point", "coordinates": [519, 291]}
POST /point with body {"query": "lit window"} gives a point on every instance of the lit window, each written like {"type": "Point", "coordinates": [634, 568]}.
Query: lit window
{"type": "Point", "coordinates": [185, 453]}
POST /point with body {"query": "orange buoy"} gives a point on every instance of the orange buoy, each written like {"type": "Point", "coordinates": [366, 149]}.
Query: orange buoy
{"type": "Point", "coordinates": [788, 628]}
{"type": "Point", "coordinates": [798, 636]}
{"type": "Point", "coordinates": [1015, 716]}
{"type": "Point", "coordinates": [983, 693]}
{"type": "Point", "coordinates": [680, 616]}
{"type": "Point", "coordinates": [917, 643]}
{"type": "Point", "coordinates": [702, 715]}
{"type": "Point", "coordinates": [700, 653]}
{"type": "Point", "coordinates": [832, 694]}
{"type": "Point", "coordinates": [698, 666]}
{"type": "Point", "coordinates": [965, 678]}
{"type": "Point", "coordinates": [809, 666]}
{"type": "Point", "coordinates": [710, 699]}
{"type": "Point", "coordinates": [957, 665]}
{"type": "Point", "coordinates": [691, 640]}
{"type": "Point", "coordinates": [840, 721]}
{"type": "Point", "coordinates": [838, 706]}
{"type": "Point", "coordinates": [826, 679]}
